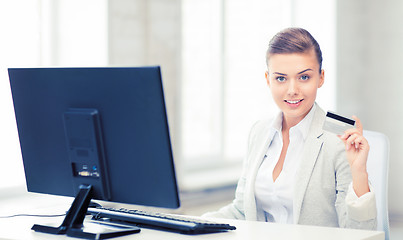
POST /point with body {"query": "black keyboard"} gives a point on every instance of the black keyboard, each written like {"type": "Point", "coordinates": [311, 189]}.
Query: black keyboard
{"type": "Point", "coordinates": [170, 222]}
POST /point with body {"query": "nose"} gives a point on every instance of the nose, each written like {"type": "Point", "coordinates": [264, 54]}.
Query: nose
{"type": "Point", "coordinates": [293, 88]}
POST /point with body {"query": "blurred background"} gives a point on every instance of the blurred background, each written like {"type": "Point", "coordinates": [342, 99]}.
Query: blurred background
{"type": "Point", "coordinates": [212, 55]}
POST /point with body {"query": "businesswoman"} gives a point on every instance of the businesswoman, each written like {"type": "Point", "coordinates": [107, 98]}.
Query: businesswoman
{"type": "Point", "coordinates": [295, 172]}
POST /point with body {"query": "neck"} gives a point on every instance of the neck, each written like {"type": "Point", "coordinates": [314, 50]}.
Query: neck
{"type": "Point", "coordinates": [289, 123]}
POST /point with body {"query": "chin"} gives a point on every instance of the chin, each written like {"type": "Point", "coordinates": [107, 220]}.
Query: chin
{"type": "Point", "coordinates": [300, 111]}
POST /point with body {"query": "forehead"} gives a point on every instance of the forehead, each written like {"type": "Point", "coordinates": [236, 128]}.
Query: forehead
{"type": "Point", "coordinates": [292, 62]}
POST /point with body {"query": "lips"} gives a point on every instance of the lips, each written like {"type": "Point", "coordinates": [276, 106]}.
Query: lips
{"type": "Point", "coordinates": [293, 101]}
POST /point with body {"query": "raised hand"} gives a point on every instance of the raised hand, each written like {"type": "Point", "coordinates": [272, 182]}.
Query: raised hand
{"type": "Point", "coordinates": [357, 149]}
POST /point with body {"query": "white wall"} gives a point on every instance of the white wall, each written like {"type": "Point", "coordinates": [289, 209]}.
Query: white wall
{"type": "Point", "coordinates": [370, 76]}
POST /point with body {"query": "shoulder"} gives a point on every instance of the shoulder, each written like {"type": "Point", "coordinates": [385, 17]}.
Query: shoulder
{"type": "Point", "coordinates": [332, 145]}
{"type": "Point", "coordinates": [262, 125]}
{"type": "Point", "coordinates": [260, 129]}
{"type": "Point", "coordinates": [334, 149]}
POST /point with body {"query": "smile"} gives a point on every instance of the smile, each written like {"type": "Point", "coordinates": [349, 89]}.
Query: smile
{"type": "Point", "coordinates": [293, 101]}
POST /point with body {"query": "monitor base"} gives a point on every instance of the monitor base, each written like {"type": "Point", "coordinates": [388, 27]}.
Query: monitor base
{"type": "Point", "coordinates": [73, 223]}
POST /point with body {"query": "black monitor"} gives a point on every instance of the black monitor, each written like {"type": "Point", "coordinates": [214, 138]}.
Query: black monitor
{"type": "Point", "coordinates": [94, 133]}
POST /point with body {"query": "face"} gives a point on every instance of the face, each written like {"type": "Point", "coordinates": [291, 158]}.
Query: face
{"type": "Point", "coordinates": [294, 80]}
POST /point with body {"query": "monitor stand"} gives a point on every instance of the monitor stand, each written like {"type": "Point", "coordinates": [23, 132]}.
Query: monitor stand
{"type": "Point", "coordinates": [73, 224]}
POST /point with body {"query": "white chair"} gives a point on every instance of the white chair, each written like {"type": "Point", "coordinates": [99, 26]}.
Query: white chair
{"type": "Point", "coordinates": [378, 167]}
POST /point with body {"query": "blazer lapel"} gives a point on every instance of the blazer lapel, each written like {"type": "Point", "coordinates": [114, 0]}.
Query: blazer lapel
{"type": "Point", "coordinates": [251, 212]}
{"type": "Point", "coordinates": [313, 145]}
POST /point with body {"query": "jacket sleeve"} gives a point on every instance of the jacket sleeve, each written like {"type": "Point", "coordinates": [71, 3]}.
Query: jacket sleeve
{"type": "Point", "coordinates": [235, 210]}
{"type": "Point", "coordinates": [353, 212]}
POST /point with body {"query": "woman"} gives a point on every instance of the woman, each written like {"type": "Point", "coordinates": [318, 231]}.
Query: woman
{"type": "Point", "coordinates": [294, 171]}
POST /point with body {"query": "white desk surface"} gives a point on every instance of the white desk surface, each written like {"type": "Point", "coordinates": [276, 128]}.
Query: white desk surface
{"type": "Point", "coordinates": [20, 228]}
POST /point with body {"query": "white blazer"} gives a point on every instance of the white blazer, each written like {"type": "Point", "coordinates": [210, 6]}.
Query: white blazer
{"type": "Point", "coordinates": [321, 182]}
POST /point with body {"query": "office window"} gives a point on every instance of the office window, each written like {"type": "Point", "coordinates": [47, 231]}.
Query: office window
{"type": "Point", "coordinates": [19, 46]}
{"type": "Point", "coordinates": [223, 86]}
{"type": "Point", "coordinates": [43, 33]}
{"type": "Point", "coordinates": [74, 32]}
{"type": "Point", "coordinates": [223, 90]}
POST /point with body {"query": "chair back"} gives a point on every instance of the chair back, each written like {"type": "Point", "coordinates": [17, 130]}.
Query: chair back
{"type": "Point", "coordinates": [378, 168]}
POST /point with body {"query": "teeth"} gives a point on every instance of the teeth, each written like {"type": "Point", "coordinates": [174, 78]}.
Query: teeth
{"type": "Point", "coordinates": [293, 102]}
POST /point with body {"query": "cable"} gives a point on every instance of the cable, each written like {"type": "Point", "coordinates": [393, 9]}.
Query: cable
{"type": "Point", "coordinates": [33, 215]}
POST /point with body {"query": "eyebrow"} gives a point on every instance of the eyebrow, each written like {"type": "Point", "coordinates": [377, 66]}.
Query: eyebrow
{"type": "Point", "coordinates": [282, 74]}
{"type": "Point", "coordinates": [305, 71]}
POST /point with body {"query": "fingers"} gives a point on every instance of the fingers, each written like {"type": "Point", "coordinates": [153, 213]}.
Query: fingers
{"type": "Point", "coordinates": [358, 128]}
{"type": "Point", "coordinates": [355, 141]}
{"type": "Point", "coordinates": [353, 136]}
{"type": "Point", "coordinates": [358, 124]}
{"type": "Point", "coordinates": [350, 132]}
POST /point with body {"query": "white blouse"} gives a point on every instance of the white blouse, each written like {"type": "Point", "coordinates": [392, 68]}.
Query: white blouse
{"type": "Point", "coordinates": [276, 198]}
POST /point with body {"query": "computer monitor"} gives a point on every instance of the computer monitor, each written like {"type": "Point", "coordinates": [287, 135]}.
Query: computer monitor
{"type": "Point", "coordinates": [94, 133]}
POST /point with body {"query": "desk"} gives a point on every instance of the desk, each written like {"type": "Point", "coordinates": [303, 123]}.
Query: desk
{"type": "Point", "coordinates": [20, 228]}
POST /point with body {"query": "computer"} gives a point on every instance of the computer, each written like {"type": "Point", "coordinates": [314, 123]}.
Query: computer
{"type": "Point", "coordinates": [94, 133]}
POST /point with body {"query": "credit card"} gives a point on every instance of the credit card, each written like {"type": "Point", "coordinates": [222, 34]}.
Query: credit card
{"type": "Point", "coordinates": [337, 124]}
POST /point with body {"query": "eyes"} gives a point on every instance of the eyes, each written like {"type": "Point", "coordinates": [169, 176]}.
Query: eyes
{"type": "Point", "coordinates": [304, 77]}
{"type": "Point", "coordinates": [280, 79]}
{"type": "Point", "coordinates": [283, 78]}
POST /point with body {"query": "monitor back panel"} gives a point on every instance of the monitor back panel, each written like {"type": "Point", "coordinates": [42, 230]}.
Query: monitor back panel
{"type": "Point", "coordinates": [133, 123]}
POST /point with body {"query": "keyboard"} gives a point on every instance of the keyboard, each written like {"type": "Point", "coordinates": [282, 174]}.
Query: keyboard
{"type": "Point", "coordinates": [163, 221]}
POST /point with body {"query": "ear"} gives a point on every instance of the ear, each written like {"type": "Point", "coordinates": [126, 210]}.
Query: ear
{"type": "Point", "coordinates": [266, 75]}
{"type": "Point", "coordinates": [322, 78]}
